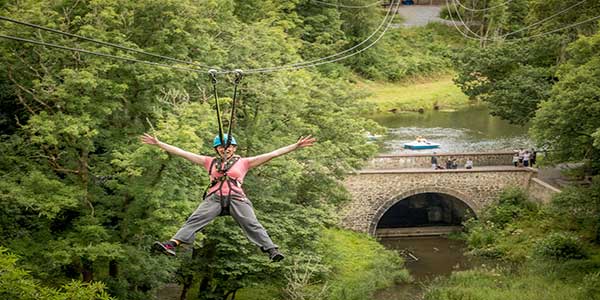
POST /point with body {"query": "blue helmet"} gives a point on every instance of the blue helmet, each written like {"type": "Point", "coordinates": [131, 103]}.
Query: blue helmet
{"type": "Point", "coordinates": [217, 141]}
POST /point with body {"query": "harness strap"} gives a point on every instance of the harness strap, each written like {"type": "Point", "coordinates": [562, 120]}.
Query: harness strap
{"type": "Point", "coordinates": [223, 169]}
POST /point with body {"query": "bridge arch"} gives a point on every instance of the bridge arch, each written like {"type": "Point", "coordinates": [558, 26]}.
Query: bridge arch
{"type": "Point", "coordinates": [382, 209]}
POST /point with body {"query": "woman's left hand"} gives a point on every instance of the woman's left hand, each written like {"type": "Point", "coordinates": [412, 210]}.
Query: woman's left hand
{"type": "Point", "coordinates": [305, 141]}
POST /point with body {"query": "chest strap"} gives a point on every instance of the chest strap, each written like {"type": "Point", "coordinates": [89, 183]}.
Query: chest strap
{"type": "Point", "coordinates": [222, 168]}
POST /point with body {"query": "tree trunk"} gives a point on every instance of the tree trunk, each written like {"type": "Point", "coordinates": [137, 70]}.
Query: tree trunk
{"type": "Point", "coordinates": [187, 284]}
{"type": "Point", "coordinates": [113, 269]}
{"type": "Point", "coordinates": [87, 270]}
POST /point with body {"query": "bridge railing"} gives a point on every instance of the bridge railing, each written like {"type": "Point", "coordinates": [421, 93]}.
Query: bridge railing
{"type": "Point", "coordinates": [407, 161]}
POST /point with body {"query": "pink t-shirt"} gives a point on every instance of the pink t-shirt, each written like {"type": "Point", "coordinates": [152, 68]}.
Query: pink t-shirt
{"type": "Point", "coordinates": [237, 171]}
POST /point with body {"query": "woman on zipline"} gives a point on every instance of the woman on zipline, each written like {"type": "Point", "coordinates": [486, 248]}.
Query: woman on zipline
{"type": "Point", "coordinates": [225, 194]}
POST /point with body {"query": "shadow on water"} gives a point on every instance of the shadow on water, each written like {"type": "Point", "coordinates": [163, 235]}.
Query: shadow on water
{"type": "Point", "coordinates": [469, 129]}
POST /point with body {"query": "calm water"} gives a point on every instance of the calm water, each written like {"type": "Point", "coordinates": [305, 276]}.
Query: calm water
{"type": "Point", "coordinates": [469, 129]}
{"type": "Point", "coordinates": [437, 256]}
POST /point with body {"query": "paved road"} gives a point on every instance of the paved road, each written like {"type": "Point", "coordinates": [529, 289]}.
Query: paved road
{"type": "Point", "coordinates": [420, 15]}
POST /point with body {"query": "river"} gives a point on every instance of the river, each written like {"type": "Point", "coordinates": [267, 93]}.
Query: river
{"type": "Point", "coordinates": [469, 129]}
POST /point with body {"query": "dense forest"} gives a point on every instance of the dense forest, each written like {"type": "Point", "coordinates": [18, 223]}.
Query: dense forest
{"type": "Point", "coordinates": [82, 200]}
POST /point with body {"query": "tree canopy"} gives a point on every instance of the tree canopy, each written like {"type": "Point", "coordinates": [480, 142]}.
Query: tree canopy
{"type": "Point", "coordinates": [83, 199]}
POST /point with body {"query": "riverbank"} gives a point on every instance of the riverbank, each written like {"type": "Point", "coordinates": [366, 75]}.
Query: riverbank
{"type": "Point", "coordinates": [353, 266]}
{"type": "Point", "coordinates": [548, 252]}
{"type": "Point", "coordinates": [422, 94]}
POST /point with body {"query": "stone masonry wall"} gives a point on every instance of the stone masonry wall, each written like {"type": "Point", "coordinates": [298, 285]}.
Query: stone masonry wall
{"type": "Point", "coordinates": [402, 161]}
{"type": "Point", "coordinates": [374, 192]}
{"type": "Point", "coordinates": [540, 191]}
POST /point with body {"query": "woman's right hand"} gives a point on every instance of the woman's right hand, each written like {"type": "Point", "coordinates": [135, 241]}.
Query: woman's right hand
{"type": "Point", "coordinates": [149, 139]}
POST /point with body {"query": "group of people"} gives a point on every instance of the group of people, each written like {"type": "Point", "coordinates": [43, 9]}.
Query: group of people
{"type": "Point", "coordinates": [451, 163]}
{"type": "Point", "coordinates": [524, 157]}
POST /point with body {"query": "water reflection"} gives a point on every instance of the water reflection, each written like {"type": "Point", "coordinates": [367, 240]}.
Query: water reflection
{"type": "Point", "coordinates": [470, 129]}
{"type": "Point", "coordinates": [436, 256]}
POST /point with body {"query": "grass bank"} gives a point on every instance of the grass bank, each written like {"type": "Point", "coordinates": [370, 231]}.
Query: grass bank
{"type": "Point", "coordinates": [547, 252]}
{"type": "Point", "coordinates": [420, 94]}
{"type": "Point", "coordinates": [360, 265]}
{"type": "Point", "coordinates": [530, 283]}
{"type": "Point", "coordinates": [352, 267]}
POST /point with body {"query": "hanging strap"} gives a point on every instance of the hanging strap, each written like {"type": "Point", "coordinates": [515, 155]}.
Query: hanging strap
{"type": "Point", "coordinates": [213, 78]}
{"type": "Point", "coordinates": [238, 76]}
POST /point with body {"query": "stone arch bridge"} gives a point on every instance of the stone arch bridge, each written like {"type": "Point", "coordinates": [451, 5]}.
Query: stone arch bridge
{"type": "Point", "coordinates": [388, 180]}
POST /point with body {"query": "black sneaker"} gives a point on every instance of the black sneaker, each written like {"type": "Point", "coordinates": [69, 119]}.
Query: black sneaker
{"type": "Point", "coordinates": [275, 255]}
{"type": "Point", "coordinates": [167, 248]}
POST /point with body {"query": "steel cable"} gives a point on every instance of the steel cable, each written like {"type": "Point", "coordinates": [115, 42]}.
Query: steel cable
{"type": "Point", "coordinates": [100, 42]}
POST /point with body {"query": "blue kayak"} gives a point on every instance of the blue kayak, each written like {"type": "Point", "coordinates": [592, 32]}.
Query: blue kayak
{"type": "Point", "coordinates": [421, 145]}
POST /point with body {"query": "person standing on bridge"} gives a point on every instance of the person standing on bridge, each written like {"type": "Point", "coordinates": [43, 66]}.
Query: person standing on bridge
{"type": "Point", "coordinates": [225, 195]}
{"type": "Point", "coordinates": [469, 163]}
{"type": "Point", "coordinates": [533, 157]}
{"type": "Point", "coordinates": [434, 161]}
{"type": "Point", "coordinates": [526, 157]}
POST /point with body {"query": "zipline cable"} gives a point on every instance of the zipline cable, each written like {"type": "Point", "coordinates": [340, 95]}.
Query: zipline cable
{"type": "Point", "coordinates": [318, 62]}
{"type": "Point", "coordinates": [527, 27]}
{"type": "Point", "coordinates": [296, 66]}
{"type": "Point", "coordinates": [348, 6]}
{"type": "Point", "coordinates": [256, 70]}
{"type": "Point", "coordinates": [3, 18]}
{"type": "Point", "coordinates": [548, 18]}
{"type": "Point", "coordinates": [288, 66]}
{"type": "Point", "coordinates": [516, 31]}
{"type": "Point", "coordinates": [23, 40]}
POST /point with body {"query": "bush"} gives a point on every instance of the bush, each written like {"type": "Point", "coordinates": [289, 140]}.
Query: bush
{"type": "Point", "coordinates": [16, 283]}
{"type": "Point", "coordinates": [560, 246]}
{"type": "Point", "coordinates": [512, 204]}
{"type": "Point", "coordinates": [481, 238]}
{"type": "Point", "coordinates": [577, 209]}
{"type": "Point", "coordinates": [591, 286]}
{"type": "Point", "coordinates": [445, 12]}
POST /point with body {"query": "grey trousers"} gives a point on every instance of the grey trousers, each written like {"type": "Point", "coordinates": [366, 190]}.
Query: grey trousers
{"type": "Point", "coordinates": [240, 208]}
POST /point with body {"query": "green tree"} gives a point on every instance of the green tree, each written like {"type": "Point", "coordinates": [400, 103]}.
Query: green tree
{"type": "Point", "coordinates": [513, 78]}
{"type": "Point", "coordinates": [16, 283]}
{"type": "Point", "coordinates": [82, 199]}
{"type": "Point", "coordinates": [567, 121]}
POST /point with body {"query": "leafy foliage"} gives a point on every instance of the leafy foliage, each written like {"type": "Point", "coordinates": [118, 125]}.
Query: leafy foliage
{"type": "Point", "coordinates": [82, 199]}
{"type": "Point", "coordinates": [16, 283]}
{"type": "Point", "coordinates": [560, 246]}
{"type": "Point", "coordinates": [567, 121]}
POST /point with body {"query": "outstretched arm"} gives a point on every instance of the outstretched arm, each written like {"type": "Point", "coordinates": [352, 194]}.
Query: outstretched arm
{"type": "Point", "coordinates": [263, 158]}
{"type": "Point", "coordinates": [152, 140]}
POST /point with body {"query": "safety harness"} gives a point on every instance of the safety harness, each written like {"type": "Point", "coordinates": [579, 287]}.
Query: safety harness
{"type": "Point", "coordinates": [223, 165]}
{"type": "Point", "coordinates": [222, 168]}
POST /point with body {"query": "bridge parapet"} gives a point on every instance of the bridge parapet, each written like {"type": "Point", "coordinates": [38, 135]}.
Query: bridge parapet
{"type": "Point", "coordinates": [402, 161]}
